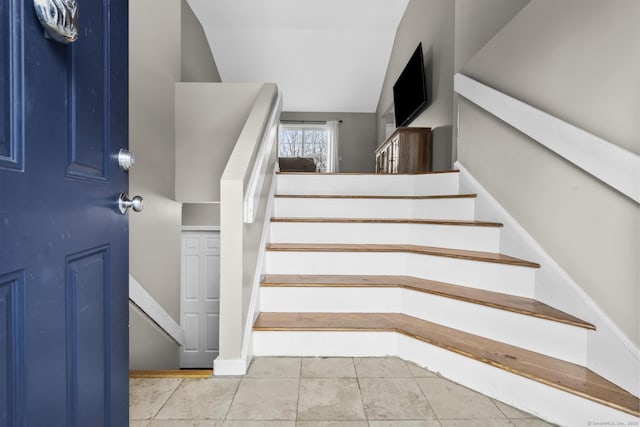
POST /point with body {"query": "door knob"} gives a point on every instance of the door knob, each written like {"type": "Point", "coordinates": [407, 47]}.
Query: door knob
{"type": "Point", "coordinates": [126, 159]}
{"type": "Point", "coordinates": [125, 203]}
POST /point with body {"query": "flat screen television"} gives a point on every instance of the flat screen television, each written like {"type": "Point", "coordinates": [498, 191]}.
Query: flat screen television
{"type": "Point", "coordinates": [410, 90]}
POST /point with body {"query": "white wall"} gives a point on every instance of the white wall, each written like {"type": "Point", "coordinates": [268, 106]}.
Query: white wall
{"type": "Point", "coordinates": [578, 60]}
{"type": "Point", "coordinates": [432, 23]}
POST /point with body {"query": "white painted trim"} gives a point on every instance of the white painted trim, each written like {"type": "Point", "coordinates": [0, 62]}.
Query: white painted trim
{"type": "Point", "coordinates": [149, 306]}
{"type": "Point", "coordinates": [229, 366]}
{"type": "Point", "coordinates": [543, 401]}
{"type": "Point", "coordinates": [256, 179]}
{"type": "Point", "coordinates": [200, 228]}
{"type": "Point", "coordinates": [608, 162]}
{"type": "Point", "coordinates": [610, 353]}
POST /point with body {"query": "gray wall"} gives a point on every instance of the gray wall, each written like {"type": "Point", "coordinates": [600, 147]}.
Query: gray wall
{"type": "Point", "coordinates": [357, 137]}
{"type": "Point", "coordinates": [165, 40]}
{"type": "Point", "coordinates": [198, 64]}
{"type": "Point", "coordinates": [432, 23]}
{"type": "Point", "coordinates": [154, 238]}
{"type": "Point", "coordinates": [201, 214]}
{"type": "Point", "coordinates": [578, 60]}
{"type": "Point", "coordinates": [209, 119]}
{"type": "Point", "coordinates": [477, 21]}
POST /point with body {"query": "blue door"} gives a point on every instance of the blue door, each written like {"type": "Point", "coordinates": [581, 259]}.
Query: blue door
{"type": "Point", "coordinates": [63, 243]}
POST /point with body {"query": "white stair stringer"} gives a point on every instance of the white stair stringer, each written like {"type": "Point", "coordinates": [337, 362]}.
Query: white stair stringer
{"type": "Point", "coordinates": [503, 278]}
{"type": "Point", "coordinates": [541, 400]}
{"type": "Point", "coordinates": [476, 238]}
{"type": "Point", "coordinates": [311, 207]}
{"type": "Point", "coordinates": [555, 339]}
{"type": "Point", "coordinates": [368, 184]}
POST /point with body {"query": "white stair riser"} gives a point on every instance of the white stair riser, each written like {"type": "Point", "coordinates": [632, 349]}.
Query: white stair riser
{"type": "Point", "coordinates": [531, 396]}
{"type": "Point", "coordinates": [379, 185]}
{"type": "Point", "coordinates": [375, 208]}
{"type": "Point", "coordinates": [508, 279]}
{"type": "Point", "coordinates": [540, 335]}
{"type": "Point", "coordinates": [448, 236]}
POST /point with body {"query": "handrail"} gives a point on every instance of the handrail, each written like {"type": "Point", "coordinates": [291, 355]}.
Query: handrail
{"type": "Point", "coordinates": [256, 181]}
{"type": "Point", "coordinates": [245, 195]}
{"type": "Point", "coordinates": [606, 161]}
{"type": "Point", "coordinates": [149, 306]}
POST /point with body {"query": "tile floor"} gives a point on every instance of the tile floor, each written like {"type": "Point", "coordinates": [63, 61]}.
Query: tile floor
{"type": "Point", "coordinates": [319, 392]}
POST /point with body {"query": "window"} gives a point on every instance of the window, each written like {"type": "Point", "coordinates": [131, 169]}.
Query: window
{"type": "Point", "coordinates": [302, 140]}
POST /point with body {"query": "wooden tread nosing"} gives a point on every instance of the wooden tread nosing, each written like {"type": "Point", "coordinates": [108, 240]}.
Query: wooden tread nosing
{"type": "Point", "coordinates": [368, 173]}
{"type": "Point", "coordinates": [416, 249]}
{"type": "Point", "coordinates": [565, 376]}
{"type": "Point", "coordinates": [500, 301]}
{"type": "Point", "coordinates": [345, 196]}
{"type": "Point", "coordinates": [454, 222]}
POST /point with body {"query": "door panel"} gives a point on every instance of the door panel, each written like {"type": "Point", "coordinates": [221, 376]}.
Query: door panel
{"type": "Point", "coordinates": [87, 305]}
{"type": "Point", "coordinates": [11, 354]}
{"type": "Point", "coordinates": [88, 137]}
{"type": "Point", "coordinates": [11, 136]}
{"type": "Point", "coordinates": [63, 244]}
{"type": "Point", "coordinates": [200, 298]}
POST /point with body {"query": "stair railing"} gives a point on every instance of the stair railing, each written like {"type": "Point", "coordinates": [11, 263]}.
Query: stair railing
{"type": "Point", "coordinates": [246, 189]}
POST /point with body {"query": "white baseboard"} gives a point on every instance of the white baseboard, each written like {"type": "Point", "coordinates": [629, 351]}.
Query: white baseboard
{"type": "Point", "coordinates": [610, 353]}
{"type": "Point", "coordinates": [223, 367]}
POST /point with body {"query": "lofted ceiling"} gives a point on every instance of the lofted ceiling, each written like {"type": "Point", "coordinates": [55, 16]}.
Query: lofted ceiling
{"type": "Point", "coordinates": [325, 55]}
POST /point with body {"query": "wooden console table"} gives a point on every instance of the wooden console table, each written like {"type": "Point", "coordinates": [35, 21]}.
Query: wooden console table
{"type": "Point", "coordinates": [407, 150]}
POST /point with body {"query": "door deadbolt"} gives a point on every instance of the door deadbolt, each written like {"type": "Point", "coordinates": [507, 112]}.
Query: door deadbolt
{"type": "Point", "coordinates": [124, 203]}
{"type": "Point", "coordinates": [126, 159]}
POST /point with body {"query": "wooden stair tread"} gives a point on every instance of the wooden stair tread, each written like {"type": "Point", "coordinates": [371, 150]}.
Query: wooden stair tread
{"type": "Point", "coordinates": [423, 250]}
{"type": "Point", "coordinates": [512, 303]}
{"type": "Point", "coordinates": [368, 173]}
{"type": "Point", "coordinates": [356, 196]}
{"type": "Point", "coordinates": [458, 222]}
{"type": "Point", "coordinates": [562, 375]}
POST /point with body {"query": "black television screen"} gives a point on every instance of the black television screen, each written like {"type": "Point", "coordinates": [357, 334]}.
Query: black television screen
{"type": "Point", "coordinates": [410, 90]}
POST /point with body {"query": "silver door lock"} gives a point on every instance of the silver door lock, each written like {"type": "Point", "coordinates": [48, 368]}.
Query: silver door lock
{"type": "Point", "coordinates": [124, 203]}
{"type": "Point", "coordinates": [126, 159]}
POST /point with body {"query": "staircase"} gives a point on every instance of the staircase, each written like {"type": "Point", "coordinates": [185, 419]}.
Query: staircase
{"type": "Point", "coordinates": [376, 265]}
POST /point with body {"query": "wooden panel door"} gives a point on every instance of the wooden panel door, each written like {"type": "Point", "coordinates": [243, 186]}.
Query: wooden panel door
{"type": "Point", "coordinates": [63, 244]}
